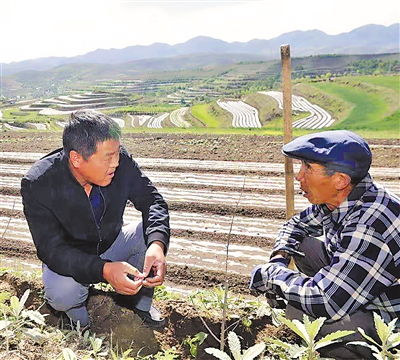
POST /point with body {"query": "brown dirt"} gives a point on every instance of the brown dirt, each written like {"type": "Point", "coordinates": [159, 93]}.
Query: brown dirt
{"type": "Point", "coordinates": [253, 148]}
{"type": "Point", "coordinates": [113, 320]}
{"type": "Point", "coordinates": [183, 319]}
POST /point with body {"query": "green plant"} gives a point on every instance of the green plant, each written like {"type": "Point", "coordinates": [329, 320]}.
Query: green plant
{"type": "Point", "coordinates": [17, 322]}
{"type": "Point", "coordinates": [96, 344]}
{"type": "Point", "coordinates": [4, 296]}
{"type": "Point", "coordinates": [125, 355]}
{"type": "Point", "coordinates": [308, 331]}
{"type": "Point", "coordinates": [388, 337]}
{"type": "Point", "coordinates": [169, 354]}
{"type": "Point", "coordinates": [95, 352]}
{"type": "Point", "coordinates": [161, 293]}
{"type": "Point", "coordinates": [68, 354]}
{"type": "Point", "coordinates": [194, 342]}
{"type": "Point", "coordinates": [212, 300]}
{"type": "Point", "coordinates": [236, 351]}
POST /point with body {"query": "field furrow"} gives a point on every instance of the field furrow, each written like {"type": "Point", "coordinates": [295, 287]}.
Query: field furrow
{"type": "Point", "coordinates": [199, 237]}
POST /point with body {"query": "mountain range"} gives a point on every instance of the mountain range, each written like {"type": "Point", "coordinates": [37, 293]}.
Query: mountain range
{"type": "Point", "coordinates": [368, 39]}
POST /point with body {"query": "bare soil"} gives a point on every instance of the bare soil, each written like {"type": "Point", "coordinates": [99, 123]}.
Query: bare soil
{"type": "Point", "coordinates": [253, 148]}
{"type": "Point", "coordinates": [111, 313]}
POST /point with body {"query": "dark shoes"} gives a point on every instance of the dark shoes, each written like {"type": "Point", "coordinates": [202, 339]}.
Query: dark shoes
{"type": "Point", "coordinates": [151, 318]}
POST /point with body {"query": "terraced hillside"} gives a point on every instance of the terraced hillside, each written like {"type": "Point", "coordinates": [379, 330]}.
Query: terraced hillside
{"type": "Point", "coordinates": [217, 187]}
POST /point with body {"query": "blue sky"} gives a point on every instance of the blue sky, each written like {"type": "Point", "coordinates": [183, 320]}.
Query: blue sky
{"type": "Point", "coordinates": [32, 29]}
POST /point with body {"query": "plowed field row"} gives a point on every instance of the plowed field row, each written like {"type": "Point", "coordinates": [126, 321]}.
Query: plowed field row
{"type": "Point", "coordinates": [199, 239]}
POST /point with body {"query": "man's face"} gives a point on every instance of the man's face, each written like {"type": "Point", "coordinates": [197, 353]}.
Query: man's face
{"type": "Point", "coordinates": [318, 187]}
{"type": "Point", "coordinates": [99, 168]}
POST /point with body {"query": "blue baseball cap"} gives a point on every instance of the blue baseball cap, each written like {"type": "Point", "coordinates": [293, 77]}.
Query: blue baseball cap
{"type": "Point", "coordinates": [340, 150]}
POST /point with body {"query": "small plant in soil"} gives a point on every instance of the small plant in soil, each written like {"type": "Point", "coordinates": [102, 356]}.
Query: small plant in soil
{"type": "Point", "coordinates": [389, 337]}
{"type": "Point", "coordinates": [236, 350]}
{"type": "Point", "coordinates": [308, 330]}
{"type": "Point", "coordinates": [194, 342]}
{"type": "Point", "coordinates": [17, 323]}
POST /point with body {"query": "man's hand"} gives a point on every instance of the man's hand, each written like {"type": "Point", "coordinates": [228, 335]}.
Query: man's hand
{"type": "Point", "coordinates": [116, 273]}
{"type": "Point", "coordinates": [154, 260]}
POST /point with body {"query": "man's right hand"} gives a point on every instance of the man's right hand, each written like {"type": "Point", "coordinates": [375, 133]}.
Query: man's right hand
{"type": "Point", "coordinates": [116, 274]}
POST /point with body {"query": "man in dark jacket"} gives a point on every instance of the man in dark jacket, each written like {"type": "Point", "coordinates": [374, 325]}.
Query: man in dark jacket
{"type": "Point", "coordinates": [350, 237]}
{"type": "Point", "coordinates": [74, 200]}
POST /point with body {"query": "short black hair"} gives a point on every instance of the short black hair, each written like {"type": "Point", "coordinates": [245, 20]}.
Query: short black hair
{"type": "Point", "coordinates": [85, 129]}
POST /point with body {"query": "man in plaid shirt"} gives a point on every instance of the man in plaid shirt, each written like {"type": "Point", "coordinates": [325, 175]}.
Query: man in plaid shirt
{"type": "Point", "coordinates": [350, 237]}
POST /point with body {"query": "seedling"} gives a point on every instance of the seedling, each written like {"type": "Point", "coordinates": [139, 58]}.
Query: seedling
{"type": "Point", "coordinates": [308, 331]}
{"type": "Point", "coordinates": [236, 351]}
{"type": "Point", "coordinates": [194, 342]}
{"type": "Point", "coordinates": [390, 339]}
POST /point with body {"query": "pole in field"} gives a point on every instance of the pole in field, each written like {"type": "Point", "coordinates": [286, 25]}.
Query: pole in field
{"type": "Point", "coordinates": [287, 127]}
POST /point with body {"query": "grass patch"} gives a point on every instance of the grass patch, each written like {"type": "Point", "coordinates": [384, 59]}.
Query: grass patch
{"type": "Point", "coordinates": [368, 105]}
{"type": "Point", "coordinates": [212, 115]}
{"type": "Point", "coordinates": [267, 107]}
{"type": "Point", "coordinates": [391, 82]}
{"type": "Point", "coordinates": [370, 111]}
{"type": "Point", "coordinates": [338, 107]}
{"type": "Point", "coordinates": [15, 115]}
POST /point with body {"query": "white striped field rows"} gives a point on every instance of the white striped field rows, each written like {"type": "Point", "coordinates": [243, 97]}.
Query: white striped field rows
{"type": "Point", "coordinates": [178, 117]}
{"type": "Point", "coordinates": [155, 122]}
{"type": "Point", "coordinates": [186, 164]}
{"type": "Point", "coordinates": [201, 188]}
{"type": "Point", "coordinates": [229, 198]}
{"type": "Point", "coordinates": [195, 179]}
{"type": "Point", "coordinates": [195, 251]}
{"type": "Point", "coordinates": [244, 115]}
{"type": "Point", "coordinates": [182, 251]}
{"type": "Point", "coordinates": [259, 227]}
{"type": "Point", "coordinates": [143, 119]}
{"type": "Point", "coordinates": [318, 117]}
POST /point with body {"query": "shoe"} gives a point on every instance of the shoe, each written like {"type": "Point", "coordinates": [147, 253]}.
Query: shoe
{"type": "Point", "coordinates": [151, 318]}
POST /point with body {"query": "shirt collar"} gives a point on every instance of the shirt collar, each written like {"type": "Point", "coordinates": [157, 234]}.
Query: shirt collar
{"type": "Point", "coordinates": [352, 199]}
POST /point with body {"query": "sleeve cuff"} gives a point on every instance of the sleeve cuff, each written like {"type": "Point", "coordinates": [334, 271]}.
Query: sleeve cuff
{"type": "Point", "coordinates": [158, 236]}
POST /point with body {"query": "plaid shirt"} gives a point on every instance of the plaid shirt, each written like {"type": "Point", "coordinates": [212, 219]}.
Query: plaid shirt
{"type": "Point", "coordinates": [362, 239]}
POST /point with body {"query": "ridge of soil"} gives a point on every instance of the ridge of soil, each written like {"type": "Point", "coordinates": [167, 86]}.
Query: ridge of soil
{"type": "Point", "coordinates": [108, 311]}
{"type": "Point", "coordinates": [253, 148]}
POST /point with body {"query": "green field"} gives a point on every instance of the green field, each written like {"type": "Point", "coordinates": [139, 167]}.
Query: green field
{"type": "Point", "coordinates": [391, 82]}
{"type": "Point", "coordinates": [374, 104]}
{"type": "Point", "coordinates": [368, 105]}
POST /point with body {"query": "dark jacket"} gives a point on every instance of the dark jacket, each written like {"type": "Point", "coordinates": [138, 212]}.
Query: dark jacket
{"type": "Point", "coordinates": [61, 219]}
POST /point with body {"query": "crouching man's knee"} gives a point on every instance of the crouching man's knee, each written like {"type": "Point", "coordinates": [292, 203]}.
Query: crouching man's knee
{"type": "Point", "coordinates": [62, 292]}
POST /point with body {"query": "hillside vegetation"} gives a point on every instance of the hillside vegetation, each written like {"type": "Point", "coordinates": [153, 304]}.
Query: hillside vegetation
{"type": "Point", "coordinates": [367, 104]}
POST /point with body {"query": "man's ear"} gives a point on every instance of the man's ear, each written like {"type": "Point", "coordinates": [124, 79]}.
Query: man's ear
{"type": "Point", "coordinates": [75, 159]}
{"type": "Point", "coordinates": [342, 180]}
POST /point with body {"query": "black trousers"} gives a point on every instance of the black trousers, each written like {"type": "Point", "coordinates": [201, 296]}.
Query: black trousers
{"type": "Point", "coordinates": [315, 259]}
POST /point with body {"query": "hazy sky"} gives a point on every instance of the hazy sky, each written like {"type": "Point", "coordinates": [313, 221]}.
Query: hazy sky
{"type": "Point", "coordinates": [31, 29]}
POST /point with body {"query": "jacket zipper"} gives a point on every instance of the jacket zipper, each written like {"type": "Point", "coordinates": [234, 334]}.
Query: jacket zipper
{"type": "Point", "coordinates": [98, 225]}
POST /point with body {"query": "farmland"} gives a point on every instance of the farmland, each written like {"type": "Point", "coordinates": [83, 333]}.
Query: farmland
{"type": "Point", "coordinates": [212, 147]}
{"type": "Point", "coordinates": [366, 104]}
{"type": "Point", "coordinates": [218, 187]}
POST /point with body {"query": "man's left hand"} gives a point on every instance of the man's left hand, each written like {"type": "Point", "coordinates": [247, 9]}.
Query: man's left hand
{"type": "Point", "coordinates": [155, 261]}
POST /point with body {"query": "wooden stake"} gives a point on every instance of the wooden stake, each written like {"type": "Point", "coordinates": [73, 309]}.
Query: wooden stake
{"type": "Point", "coordinates": [287, 125]}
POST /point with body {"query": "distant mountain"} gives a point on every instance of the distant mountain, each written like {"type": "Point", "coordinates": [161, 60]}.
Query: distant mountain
{"type": "Point", "coordinates": [368, 39]}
